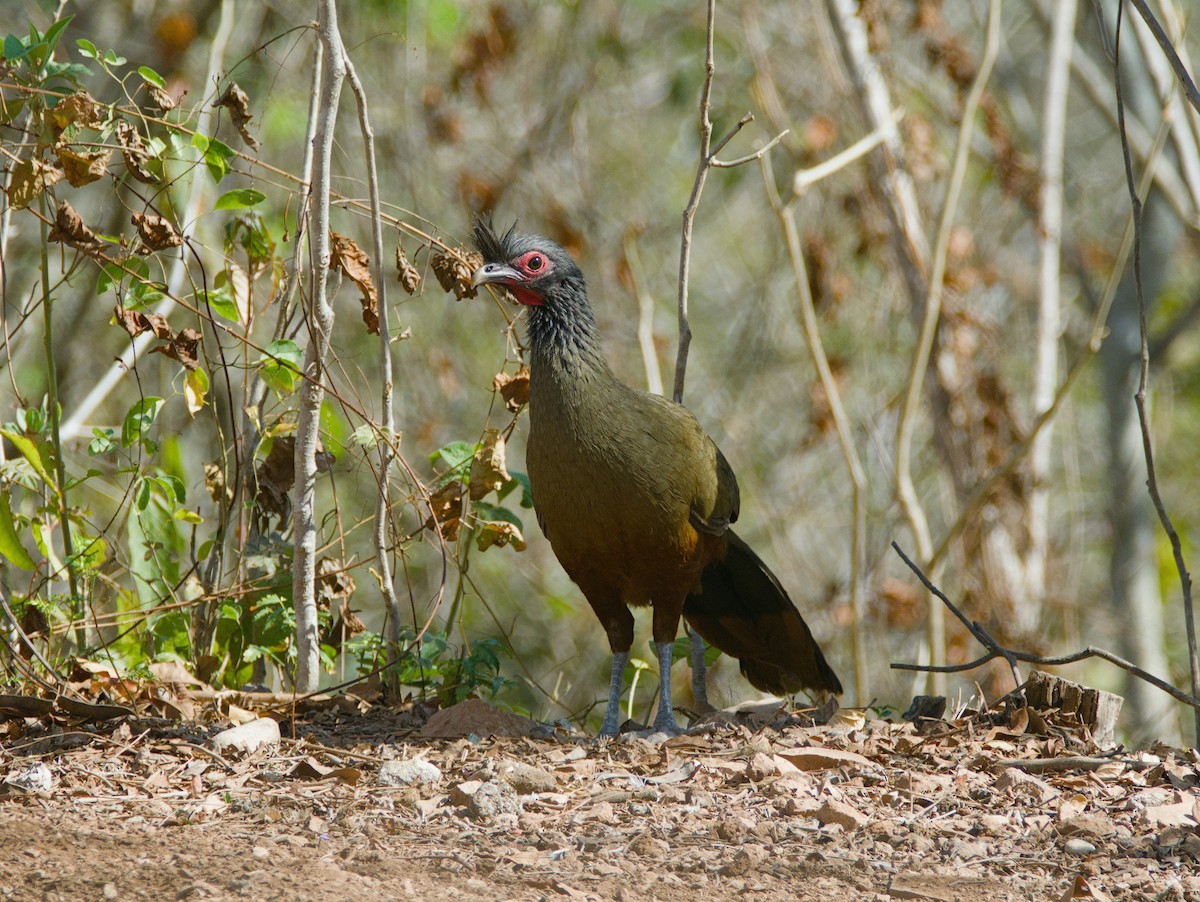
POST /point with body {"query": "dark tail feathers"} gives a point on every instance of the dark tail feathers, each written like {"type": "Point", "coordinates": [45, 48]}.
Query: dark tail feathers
{"type": "Point", "coordinates": [744, 611]}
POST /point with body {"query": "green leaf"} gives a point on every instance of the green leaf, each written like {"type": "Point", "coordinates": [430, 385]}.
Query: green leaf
{"type": "Point", "coordinates": [151, 76]}
{"type": "Point", "coordinates": [139, 419]}
{"type": "Point", "coordinates": [14, 48]}
{"type": "Point", "coordinates": [87, 48]}
{"type": "Point", "coordinates": [280, 365]}
{"type": "Point", "coordinates": [114, 59]}
{"type": "Point", "coordinates": [114, 273]}
{"type": "Point", "coordinates": [30, 451]}
{"type": "Point", "coordinates": [188, 516]}
{"type": "Point", "coordinates": [239, 199]}
{"type": "Point", "coordinates": [494, 513]}
{"type": "Point", "coordinates": [10, 544]}
{"type": "Point", "coordinates": [42, 537]}
{"type": "Point", "coordinates": [217, 155]}
{"type": "Point", "coordinates": [457, 457]}
{"type": "Point", "coordinates": [222, 303]}
{"type": "Point", "coordinates": [54, 32]}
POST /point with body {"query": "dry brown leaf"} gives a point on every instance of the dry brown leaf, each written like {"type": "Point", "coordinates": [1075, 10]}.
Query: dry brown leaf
{"type": "Point", "coordinates": [816, 758]}
{"type": "Point", "coordinates": [29, 179]}
{"type": "Point", "coordinates": [83, 168]}
{"type": "Point", "coordinates": [356, 266]}
{"type": "Point", "coordinates": [488, 472]}
{"type": "Point", "coordinates": [513, 389]}
{"type": "Point", "coordinates": [447, 509]}
{"type": "Point", "coordinates": [156, 232]}
{"type": "Point", "coordinates": [183, 346]}
{"type": "Point", "coordinates": [498, 533]}
{"type": "Point", "coordinates": [1080, 888]}
{"type": "Point", "coordinates": [161, 98]}
{"type": "Point", "coordinates": [235, 100]}
{"type": "Point", "coordinates": [454, 270]}
{"type": "Point", "coordinates": [77, 109]}
{"type": "Point", "coordinates": [69, 228]}
{"type": "Point", "coordinates": [133, 151]}
{"type": "Point", "coordinates": [406, 272]}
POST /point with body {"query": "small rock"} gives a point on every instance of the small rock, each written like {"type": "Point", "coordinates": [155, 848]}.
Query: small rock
{"type": "Point", "coordinates": [461, 793]}
{"type": "Point", "coordinates": [110, 891]}
{"type": "Point", "coordinates": [1088, 826]}
{"type": "Point", "coordinates": [248, 737]}
{"type": "Point", "coordinates": [34, 778]}
{"type": "Point", "coordinates": [493, 799]}
{"type": "Point", "coordinates": [406, 773]}
{"type": "Point", "coordinates": [260, 852]}
{"type": "Point", "coordinates": [841, 814]}
{"type": "Point", "coordinates": [1080, 847]}
{"type": "Point", "coordinates": [527, 779]}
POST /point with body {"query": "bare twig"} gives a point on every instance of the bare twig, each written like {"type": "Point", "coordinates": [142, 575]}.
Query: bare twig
{"type": "Point", "coordinates": [1181, 72]}
{"type": "Point", "coordinates": [1049, 320]}
{"type": "Point", "coordinates": [1185, 578]}
{"type": "Point", "coordinates": [997, 651]}
{"type": "Point", "coordinates": [806, 178]}
{"type": "Point", "coordinates": [386, 454]}
{"type": "Point", "coordinates": [906, 492]}
{"type": "Point", "coordinates": [858, 476]}
{"type": "Point", "coordinates": [319, 318]}
{"type": "Point", "coordinates": [645, 332]}
{"type": "Point", "coordinates": [708, 160]}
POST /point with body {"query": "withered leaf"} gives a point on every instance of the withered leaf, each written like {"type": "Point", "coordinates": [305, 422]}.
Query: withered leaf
{"type": "Point", "coordinates": [498, 533]}
{"type": "Point", "coordinates": [133, 150]}
{"type": "Point", "coordinates": [488, 473]}
{"type": "Point", "coordinates": [356, 266]}
{"type": "Point", "coordinates": [454, 270]}
{"type": "Point", "coordinates": [29, 179]}
{"type": "Point", "coordinates": [83, 168]}
{"type": "Point", "coordinates": [513, 389]}
{"type": "Point", "coordinates": [274, 478]}
{"type": "Point", "coordinates": [161, 98]}
{"type": "Point", "coordinates": [183, 346]}
{"type": "Point", "coordinates": [447, 509]}
{"type": "Point", "coordinates": [77, 109]}
{"type": "Point", "coordinates": [406, 272]}
{"type": "Point", "coordinates": [235, 100]}
{"type": "Point", "coordinates": [214, 484]}
{"type": "Point", "coordinates": [135, 322]}
{"type": "Point", "coordinates": [333, 581]}
{"type": "Point", "coordinates": [157, 232]}
{"type": "Point", "coordinates": [69, 228]}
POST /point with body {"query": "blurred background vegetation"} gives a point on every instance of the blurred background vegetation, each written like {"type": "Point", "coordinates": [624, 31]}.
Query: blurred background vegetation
{"type": "Point", "coordinates": [581, 120]}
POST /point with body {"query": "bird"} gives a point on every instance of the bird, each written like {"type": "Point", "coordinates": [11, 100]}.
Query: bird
{"type": "Point", "coordinates": [634, 497]}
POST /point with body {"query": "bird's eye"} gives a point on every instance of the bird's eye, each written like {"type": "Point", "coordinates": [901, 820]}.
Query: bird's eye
{"type": "Point", "coordinates": [535, 263]}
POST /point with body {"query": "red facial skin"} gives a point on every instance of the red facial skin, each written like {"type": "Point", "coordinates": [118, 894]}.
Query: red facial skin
{"type": "Point", "coordinates": [529, 267]}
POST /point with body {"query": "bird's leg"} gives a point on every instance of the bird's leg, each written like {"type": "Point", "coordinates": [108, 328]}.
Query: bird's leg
{"type": "Point", "coordinates": [664, 721]}
{"type": "Point", "coordinates": [699, 670]}
{"type": "Point", "coordinates": [612, 714]}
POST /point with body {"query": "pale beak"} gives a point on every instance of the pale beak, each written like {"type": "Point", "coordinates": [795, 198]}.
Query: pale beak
{"type": "Point", "coordinates": [491, 273]}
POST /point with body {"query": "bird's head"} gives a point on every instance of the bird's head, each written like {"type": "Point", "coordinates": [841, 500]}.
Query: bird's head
{"type": "Point", "coordinates": [529, 266]}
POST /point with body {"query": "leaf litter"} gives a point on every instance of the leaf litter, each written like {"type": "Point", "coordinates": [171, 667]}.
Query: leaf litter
{"type": "Point", "coordinates": [359, 798]}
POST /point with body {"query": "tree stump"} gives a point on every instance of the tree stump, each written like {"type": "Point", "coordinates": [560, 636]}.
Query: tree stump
{"type": "Point", "coordinates": [1093, 708]}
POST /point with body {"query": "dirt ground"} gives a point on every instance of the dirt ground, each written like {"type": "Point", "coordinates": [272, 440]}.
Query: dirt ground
{"type": "Point", "coordinates": [368, 802]}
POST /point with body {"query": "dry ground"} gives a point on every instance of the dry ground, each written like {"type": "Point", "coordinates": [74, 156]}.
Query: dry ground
{"type": "Point", "coordinates": [754, 806]}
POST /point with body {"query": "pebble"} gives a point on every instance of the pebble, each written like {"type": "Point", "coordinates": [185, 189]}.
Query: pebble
{"type": "Point", "coordinates": [1080, 847]}
{"type": "Point", "coordinates": [408, 772]}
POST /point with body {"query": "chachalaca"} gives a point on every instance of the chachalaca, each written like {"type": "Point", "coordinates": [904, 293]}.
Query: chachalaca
{"type": "Point", "coordinates": [635, 498]}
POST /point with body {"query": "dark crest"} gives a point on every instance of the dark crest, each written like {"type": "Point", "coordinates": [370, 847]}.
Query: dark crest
{"type": "Point", "coordinates": [495, 248]}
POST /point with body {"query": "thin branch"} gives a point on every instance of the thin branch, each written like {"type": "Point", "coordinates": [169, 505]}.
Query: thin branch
{"type": "Point", "coordinates": [996, 651]}
{"type": "Point", "coordinates": [319, 319]}
{"type": "Point", "coordinates": [1185, 578]}
{"type": "Point", "coordinates": [386, 454]}
{"type": "Point", "coordinates": [1049, 316]}
{"type": "Point", "coordinates": [858, 476]}
{"type": "Point", "coordinates": [689, 212]}
{"type": "Point", "coordinates": [1164, 42]}
{"type": "Point", "coordinates": [806, 178]}
{"type": "Point", "coordinates": [1099, 328]}
{"type": "Point", "coordinates": [750, 157]}
{"type": "Point", "coordinates": [906, 492]}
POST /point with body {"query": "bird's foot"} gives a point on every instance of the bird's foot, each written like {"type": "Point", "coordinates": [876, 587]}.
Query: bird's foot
{"type": "Point", "coordinates": [667, 726]}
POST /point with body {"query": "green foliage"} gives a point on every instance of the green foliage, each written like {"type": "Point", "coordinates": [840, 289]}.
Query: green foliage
{"type": "Point", "coordinates": [433, 667]}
